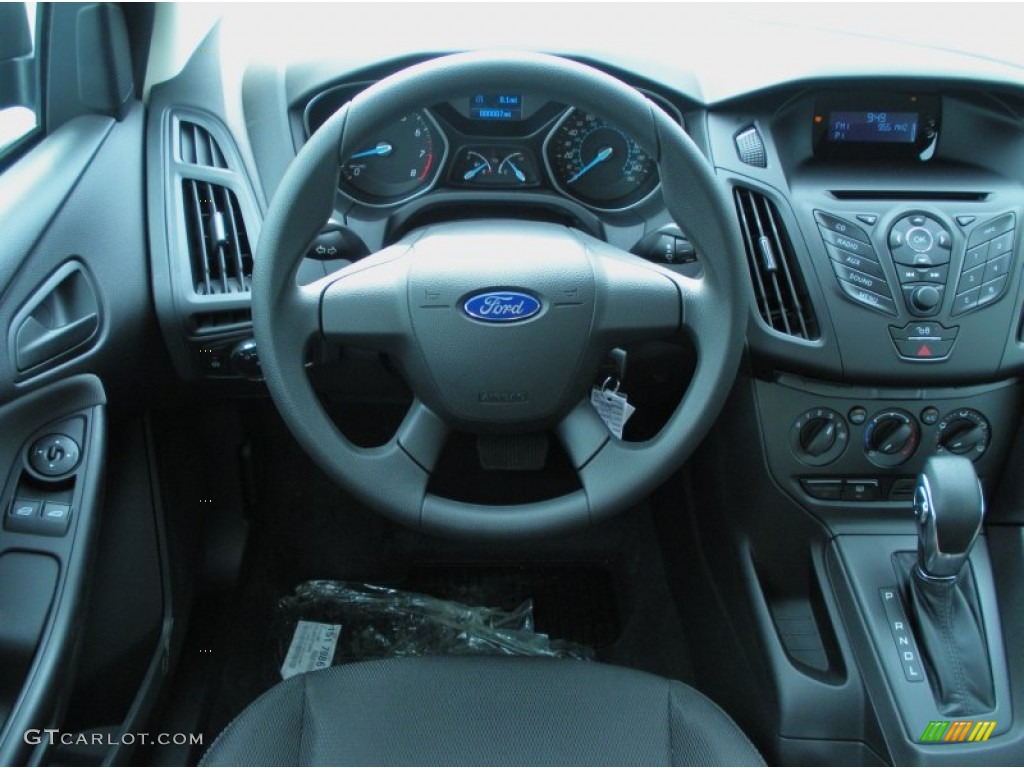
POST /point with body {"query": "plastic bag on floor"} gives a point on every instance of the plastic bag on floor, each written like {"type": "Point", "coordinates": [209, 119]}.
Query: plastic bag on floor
{"type": "Point", "coordinates": [334, 622]}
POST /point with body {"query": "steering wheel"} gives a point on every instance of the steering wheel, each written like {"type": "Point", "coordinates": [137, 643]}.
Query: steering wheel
{"type": "Point", "coordinates": [562, 300]}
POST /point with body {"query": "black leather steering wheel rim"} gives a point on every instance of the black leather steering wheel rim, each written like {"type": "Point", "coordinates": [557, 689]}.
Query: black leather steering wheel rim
{"type": "Point", "coordinates": [393, 478]}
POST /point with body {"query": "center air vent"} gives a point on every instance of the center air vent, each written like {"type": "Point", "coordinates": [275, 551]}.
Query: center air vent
{"type": "Point", "coordinates": [219, 249]}
{"type": "Point", "coordinates": [778, 284]}
{"type": "Point", "coordinates": [197, 146]}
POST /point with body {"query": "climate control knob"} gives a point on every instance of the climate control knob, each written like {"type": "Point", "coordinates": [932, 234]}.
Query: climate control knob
{"type": "Point", "coordinates": [890, 438]}
{"type": "Point", "coordinates": [819, 436]}
{"type": "Point", "coordinates": [964, 432]}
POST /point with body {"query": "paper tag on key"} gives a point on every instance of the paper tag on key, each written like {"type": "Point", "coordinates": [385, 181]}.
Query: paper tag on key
{"type": "Point", "coordinates": [613, 408]}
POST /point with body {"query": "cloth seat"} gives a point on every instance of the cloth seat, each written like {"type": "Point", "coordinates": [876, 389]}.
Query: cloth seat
{"type": "Point", "coordinates": [451, 710]}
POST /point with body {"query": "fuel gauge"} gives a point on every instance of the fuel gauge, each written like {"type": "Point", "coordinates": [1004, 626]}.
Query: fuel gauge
{"type": "Point", "coordinates": [500, 166]}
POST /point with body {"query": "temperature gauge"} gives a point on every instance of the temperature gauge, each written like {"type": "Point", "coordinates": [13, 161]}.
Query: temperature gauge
{"type": "Point", "coordinates": [495, 167]}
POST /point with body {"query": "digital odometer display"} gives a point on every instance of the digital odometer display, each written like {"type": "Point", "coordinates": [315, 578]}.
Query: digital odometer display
{"type": "Point", "coordinates": [496, 106]}
{"type": "Point", "coordinates": [873, 127]}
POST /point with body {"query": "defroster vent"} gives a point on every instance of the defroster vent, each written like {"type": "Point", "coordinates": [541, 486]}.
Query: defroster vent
{"type": "Point", "coordinates": [778, 283]}
{"type": "Point", "coordinates": [219, 248]}
{"type": "Point", "coordinates": [197, 146]}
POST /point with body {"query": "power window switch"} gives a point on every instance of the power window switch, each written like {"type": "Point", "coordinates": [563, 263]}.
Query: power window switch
{"type": "Point", "coordinates": [23, 516]}
{"type": "Point", "coordinates": [55, 519]}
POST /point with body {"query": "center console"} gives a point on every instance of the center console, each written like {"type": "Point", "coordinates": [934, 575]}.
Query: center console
{"type": "Point", "coordinates": [899, 232]}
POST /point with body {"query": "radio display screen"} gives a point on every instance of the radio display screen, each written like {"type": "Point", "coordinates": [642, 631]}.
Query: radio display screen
{"type": "Point", "coordinates": [873, 127]}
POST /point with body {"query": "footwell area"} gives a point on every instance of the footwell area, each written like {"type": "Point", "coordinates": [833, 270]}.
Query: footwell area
{"type": "Point", "coordinates": [604, 588]}
{"type": "Point", "coordinates": [572, 602]}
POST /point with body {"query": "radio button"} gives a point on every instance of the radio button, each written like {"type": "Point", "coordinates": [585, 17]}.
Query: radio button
{"type": "Point", "coordinates": [853, 261]}
{"type": "Point", "coordinates": [873, 300]}
{"type": "Point", "coordinates": [862, 280]}
{"type": "Point", "coordinates": [841, 226]}
{"type": "Point", "coordinates": [991, 229]}
{"type": "Point", "coordinates": [847, 243]}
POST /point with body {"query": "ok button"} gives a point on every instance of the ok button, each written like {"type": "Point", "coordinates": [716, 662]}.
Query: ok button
{"type": "Point", "coordinates": [920, 239]}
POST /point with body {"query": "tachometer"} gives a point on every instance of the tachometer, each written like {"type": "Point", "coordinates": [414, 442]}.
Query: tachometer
{"type": "Point", "coordinates": [593, 161]}
{"type": "Point", "coordinates": [401, 162]}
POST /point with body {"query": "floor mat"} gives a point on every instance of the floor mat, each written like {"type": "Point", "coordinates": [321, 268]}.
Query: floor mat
{"type": "Point", "coordinates": [575, 603]}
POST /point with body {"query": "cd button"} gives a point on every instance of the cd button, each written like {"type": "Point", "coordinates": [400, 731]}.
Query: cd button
{"type": "Point", "coordinates": [964, 221]}
{"type": "Point", "coordinates": [840, 226]}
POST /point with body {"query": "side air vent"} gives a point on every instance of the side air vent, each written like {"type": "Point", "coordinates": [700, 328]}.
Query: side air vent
{"type": "Point", "coordinates": [198, 147]}
{"type": "Point", "coordinates": [220, 253]}
{"type": "Point", "coordinates": [778, 285]}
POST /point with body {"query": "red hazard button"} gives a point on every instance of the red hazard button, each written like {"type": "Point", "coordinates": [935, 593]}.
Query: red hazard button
{"type": "Point", "coordinates": [924, 351]}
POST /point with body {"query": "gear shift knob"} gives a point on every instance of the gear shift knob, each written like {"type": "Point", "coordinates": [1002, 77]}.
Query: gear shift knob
{"type": "Point", "coordinates": [949, 507]}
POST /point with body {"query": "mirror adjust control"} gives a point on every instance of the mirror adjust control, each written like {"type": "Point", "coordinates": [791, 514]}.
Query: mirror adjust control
{"type": "Point", "coordinates": [54, 455]}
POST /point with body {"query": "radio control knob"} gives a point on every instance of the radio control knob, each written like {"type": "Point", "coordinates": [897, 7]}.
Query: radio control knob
{"type": "Point", "coordinates": [926, 298]}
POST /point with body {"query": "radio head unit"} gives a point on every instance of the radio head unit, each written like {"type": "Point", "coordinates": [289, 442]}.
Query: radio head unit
{"type": "Point", "coordinates": [870, 126]}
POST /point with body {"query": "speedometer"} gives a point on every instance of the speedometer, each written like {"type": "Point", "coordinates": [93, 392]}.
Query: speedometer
{"type": "Point", "coordinates": [400, 162]}
{"type": "Point", "coordinates": [595, 162]}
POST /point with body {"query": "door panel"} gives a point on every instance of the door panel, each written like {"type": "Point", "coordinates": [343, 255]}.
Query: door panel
{"type": "Point", "coordinates": [76, 327]}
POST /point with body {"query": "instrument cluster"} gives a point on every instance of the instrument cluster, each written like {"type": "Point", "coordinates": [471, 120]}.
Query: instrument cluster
{"type": "Point", "coordinates": [496, 141]}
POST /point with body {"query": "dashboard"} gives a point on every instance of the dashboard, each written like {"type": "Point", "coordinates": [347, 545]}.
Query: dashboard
{"type": "Point", "coordinates": [878, 202]}
{"type": "Point", "coordinates": [880, 216]}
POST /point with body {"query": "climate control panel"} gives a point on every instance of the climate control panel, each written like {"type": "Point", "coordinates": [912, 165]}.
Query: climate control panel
{"type": "Point", "coordinates": [831, 444]}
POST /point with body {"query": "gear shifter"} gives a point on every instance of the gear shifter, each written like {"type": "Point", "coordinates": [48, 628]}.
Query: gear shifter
{"type": "Point", "coordinates": [949, 508]}
{"type": "Point", "coordinates": [943, 598]}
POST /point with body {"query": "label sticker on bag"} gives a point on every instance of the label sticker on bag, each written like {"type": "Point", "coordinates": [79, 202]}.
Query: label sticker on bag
{"type": "Point", "coordinates": [312, 648]}
{"type": "Point", "coordinates": [613, 408]}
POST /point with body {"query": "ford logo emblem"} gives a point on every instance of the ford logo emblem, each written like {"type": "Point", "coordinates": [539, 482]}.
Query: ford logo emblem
{"type": "Point", "coordinates": [501, 306]}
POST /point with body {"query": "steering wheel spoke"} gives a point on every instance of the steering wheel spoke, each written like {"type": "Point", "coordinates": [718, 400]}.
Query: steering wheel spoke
{"type": "Point", "coordinates": [366, 305]}
{"type": "Point", "coordinates": [582, 434]}
{"type": "Point", "coordinates": [422, 436]}
{"type": "Point", "coordinates": [639, 301]}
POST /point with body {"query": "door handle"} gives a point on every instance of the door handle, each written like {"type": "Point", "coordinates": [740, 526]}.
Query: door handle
{"type": "Point", "coordinates": [37, 343]}
{"type": "Point", "coordinates": [62, 315]}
